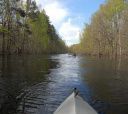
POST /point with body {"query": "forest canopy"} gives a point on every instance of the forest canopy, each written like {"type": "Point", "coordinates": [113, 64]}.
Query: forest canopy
{"type": "Point", "coordinates": [107, 33]}
{"type": "Point", "coordinates": [25, 29]}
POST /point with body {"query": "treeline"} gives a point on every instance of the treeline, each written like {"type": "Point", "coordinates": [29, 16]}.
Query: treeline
{"type": "Point", "coordinates": [107, 33]}
{"type": "Point", "coordinates": [25, 29]}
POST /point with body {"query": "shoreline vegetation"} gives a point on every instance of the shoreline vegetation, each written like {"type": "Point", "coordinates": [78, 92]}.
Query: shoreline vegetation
{"type": "Point", "coordinates": [107, 33]}
{"type": "Point", "coordinates": [25, 29]}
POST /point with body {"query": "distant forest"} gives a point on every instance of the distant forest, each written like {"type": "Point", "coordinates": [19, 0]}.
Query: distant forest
{"type": "Point", "coordinates": [25, 29]}
{"type": "Point", "coordinates": [107, 32]}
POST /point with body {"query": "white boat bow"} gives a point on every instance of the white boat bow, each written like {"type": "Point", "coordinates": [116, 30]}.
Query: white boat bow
{"type": "Point", "coordinates": [75, 105]}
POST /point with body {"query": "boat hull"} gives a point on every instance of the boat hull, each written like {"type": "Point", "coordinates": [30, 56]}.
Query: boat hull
{"type": "Point", "coordinates": [75, 105]}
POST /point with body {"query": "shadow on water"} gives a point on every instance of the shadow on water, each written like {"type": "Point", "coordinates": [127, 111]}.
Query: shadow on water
{"type": "Point", "coordinates": [17, 73]}
{"type": "Point", "coordinates": [38, 84]}
{"type": "Point", "coordinates": [108, 81]}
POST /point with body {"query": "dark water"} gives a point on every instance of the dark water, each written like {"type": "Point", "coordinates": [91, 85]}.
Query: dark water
{"type": "Point", "coordinates": [38, 84]}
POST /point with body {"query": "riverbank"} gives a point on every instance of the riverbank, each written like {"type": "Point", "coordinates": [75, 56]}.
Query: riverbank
{"type": "Point", "coordinates": [106, 36]}
{"type": "Point", "coordinates": [26, 29]}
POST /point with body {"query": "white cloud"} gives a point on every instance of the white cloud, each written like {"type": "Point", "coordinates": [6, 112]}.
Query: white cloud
{"type": "Point", "coordinates": [55, 10]}
{"type": "Point", "coordinates": [69, 32]}
{"type": "Point", "coordinates": [37, 1]}
{"type": "Point", "coordinates": [62, 18]}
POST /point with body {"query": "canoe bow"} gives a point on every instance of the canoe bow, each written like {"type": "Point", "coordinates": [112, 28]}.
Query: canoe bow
{"type": "Point", "coordinates": [75, 105]}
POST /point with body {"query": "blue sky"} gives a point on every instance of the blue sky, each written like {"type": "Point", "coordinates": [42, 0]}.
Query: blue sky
{"type": "Point", "coordinates": [70, 16]}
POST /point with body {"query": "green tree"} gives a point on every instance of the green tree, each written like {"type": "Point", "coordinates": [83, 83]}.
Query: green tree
{"type": "Point", "coordinates": [105, 36]}
{"type": "Point", "coordinates": [26, 29]}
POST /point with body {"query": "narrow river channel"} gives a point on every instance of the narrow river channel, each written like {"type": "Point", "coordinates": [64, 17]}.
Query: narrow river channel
{"type": "Point", "coordinates": [38, 84]}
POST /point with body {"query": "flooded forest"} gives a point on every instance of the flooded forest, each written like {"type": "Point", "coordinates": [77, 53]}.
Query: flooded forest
{"type": "Point", "coordinates": [38, 69]}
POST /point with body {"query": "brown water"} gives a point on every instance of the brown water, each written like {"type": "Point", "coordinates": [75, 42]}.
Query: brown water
{"type": "Point", "coordinates": [38, 84]}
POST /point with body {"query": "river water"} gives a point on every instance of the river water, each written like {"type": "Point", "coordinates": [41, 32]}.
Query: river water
{"type": "Point", "coordinates": [38, 84]}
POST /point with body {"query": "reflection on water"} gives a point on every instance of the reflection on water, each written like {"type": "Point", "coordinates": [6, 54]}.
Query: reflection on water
{"type": "Point", "coordinates": [108, 80]}
{"type": "Point", "coordinates": [18, 74]}
{"type": "Point", "coordinates": [38, 84]}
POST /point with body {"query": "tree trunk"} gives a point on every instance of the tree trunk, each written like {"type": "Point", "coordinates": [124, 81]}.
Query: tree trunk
{"type": "Point", "coordinates": [119, 42]}
{"type": "Point", "coordinates": [3, 42]}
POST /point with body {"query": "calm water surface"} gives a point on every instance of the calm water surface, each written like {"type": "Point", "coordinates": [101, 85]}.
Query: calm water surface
{"type": "Point", "coordinates": [38, 84]}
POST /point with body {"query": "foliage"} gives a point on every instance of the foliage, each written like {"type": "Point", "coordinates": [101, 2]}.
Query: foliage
{"type": "Point", "coordinates": [26, 29]}
{"type": "Point", "coordinates": [107, 33]}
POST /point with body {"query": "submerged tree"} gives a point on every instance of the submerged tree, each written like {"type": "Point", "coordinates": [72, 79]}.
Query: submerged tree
{"type": "Point", "coordinates": [107, 35]}
{"type": "Point", "coordinates": [26, 29]}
